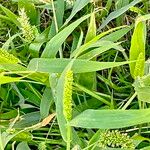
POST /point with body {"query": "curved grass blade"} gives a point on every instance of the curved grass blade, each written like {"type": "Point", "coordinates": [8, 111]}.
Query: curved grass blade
{"type": "Point", "coordinates": [55, 43]}
{"type": "Point", "coordinates": [117, 13]}
{"type": "Point", "coordinates": [79, 66]}
{"type": "Point", "coordinates": [76, 8]}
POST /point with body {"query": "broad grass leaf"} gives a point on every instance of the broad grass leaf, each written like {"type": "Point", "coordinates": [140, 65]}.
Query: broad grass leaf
{"type": "Point", "coordinates": [7, 79]}
{"type": "Point", "coordinates": [22, 145]}
{"type": "Point", "coordinates": [28, 120]}
{"type": "Point", "coordinates": [55, 43]}
{"type": "Point", "coordinates": [46, 102]}
{"type": "Point", "coordinates": [111, 119]}
{"type": "Point", "coordinates": [79, 66]}
{"type": "Point", "coordinates": [137, 46]}
{"type": "Point", "coordinates": [117, 13]}
{"type": "Point", "coordinates": [116, 35]}
{"type": "Point", "coordinates": [142, 88]}
{"type": "Point", "coordinates": [8, 115]}
{"type": "Point", "coordinates": [12, 67]}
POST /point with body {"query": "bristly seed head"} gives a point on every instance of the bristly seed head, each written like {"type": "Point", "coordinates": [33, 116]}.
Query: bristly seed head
{"type": "Point", "coordinates": [115, 139]}
{"type": "Point", "coordinates": [27, 29]}
{"type": "Point", "coordinates": [67, 95]}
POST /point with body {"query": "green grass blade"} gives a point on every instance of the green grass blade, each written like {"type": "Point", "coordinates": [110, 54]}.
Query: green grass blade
{"type": "Point", "coordinates": [84, 47]}
{"type": "Point", "coordinates": [11, 15]}
{"type": "Point", "coordinates": [76, 8]}
{"type": "Point", "coordinates": [117, 13]}
{"type": "Point", "coordinates": [45, 103]}
{"type": "Point", "coordinates": [79, 66]}
{"type": "Point", "coordinates": [111, 119]}
{"type": "Point", "coordinates": [55, 43]}
{"type": "Point", "coordinates": [97, 51]}
{"type": "Point", "coordinates": [137, 46]}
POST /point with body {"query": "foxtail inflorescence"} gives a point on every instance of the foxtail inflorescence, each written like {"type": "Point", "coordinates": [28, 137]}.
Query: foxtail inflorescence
{"type": "Point", "coordinates": [6, 57]}
{"type": "Point", "coordinates": [67, 95]}
{"type": "Point", "coordinates": [28, 31]}
{"type": "Point", "coordinates": [116, 139]}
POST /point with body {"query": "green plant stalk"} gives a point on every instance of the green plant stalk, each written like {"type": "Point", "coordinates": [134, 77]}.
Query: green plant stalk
{"type": "Point", "coordinates": [1, 143]}
{"type": "Point", "coordinates": [129, 101]}
{"type": "Point", "coordinates": [68, 136]}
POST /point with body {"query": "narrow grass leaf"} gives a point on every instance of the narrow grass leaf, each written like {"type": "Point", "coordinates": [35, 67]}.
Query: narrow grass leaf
{"type": "Point", "coordinates": [11, 15]}
{"type": "Point", "coordinates": [118, 12]}
{"type": "Point", "coordinates": [84, 47]}
{"type": "Point", "coordinates": [111, 119]}
{"type": "Point", "coordinates": [7, 79]}
{"type": "Point", "coordinates": [55, 43]}
{"type": "Point", "coordinates": [76, 8]}
{"type": "Point", "coordinates": [89, 79]}
{"type": "Point", "coordinates": [45, 103]}
{"type": "Point", "coordinates": [57, 19]}
{"type": "Point", "coordinates": [91, 33]}
{"type": "Point", "coordinates": [97, 51]}
{"type": "Point", "coordinates": [115, 36]}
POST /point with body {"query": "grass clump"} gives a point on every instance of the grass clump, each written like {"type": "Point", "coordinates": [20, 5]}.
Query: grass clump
{"type": "Point", "coordinates": [82, 80]}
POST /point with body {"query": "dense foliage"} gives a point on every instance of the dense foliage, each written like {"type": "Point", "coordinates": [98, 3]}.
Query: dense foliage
{"type": "Point", "coordinates": [74, 74]}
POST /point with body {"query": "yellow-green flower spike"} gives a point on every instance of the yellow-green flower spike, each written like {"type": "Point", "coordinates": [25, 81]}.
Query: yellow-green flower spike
{"type": "Point", "coordinates": [67, 95]}
{"type": "Point", "coordinates": [115, 139]}
{"type": "Point", "coordinates": [5, 57]}
{"type": "Point", "coordinates": [27, 29]}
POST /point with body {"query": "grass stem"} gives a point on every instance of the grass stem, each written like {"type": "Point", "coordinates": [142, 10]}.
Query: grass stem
{"type": "Point", "coordinates": [129, 101]}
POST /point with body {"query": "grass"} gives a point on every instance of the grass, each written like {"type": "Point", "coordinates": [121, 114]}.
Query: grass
{"type": "Point", "coordinates": [74, 75]}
